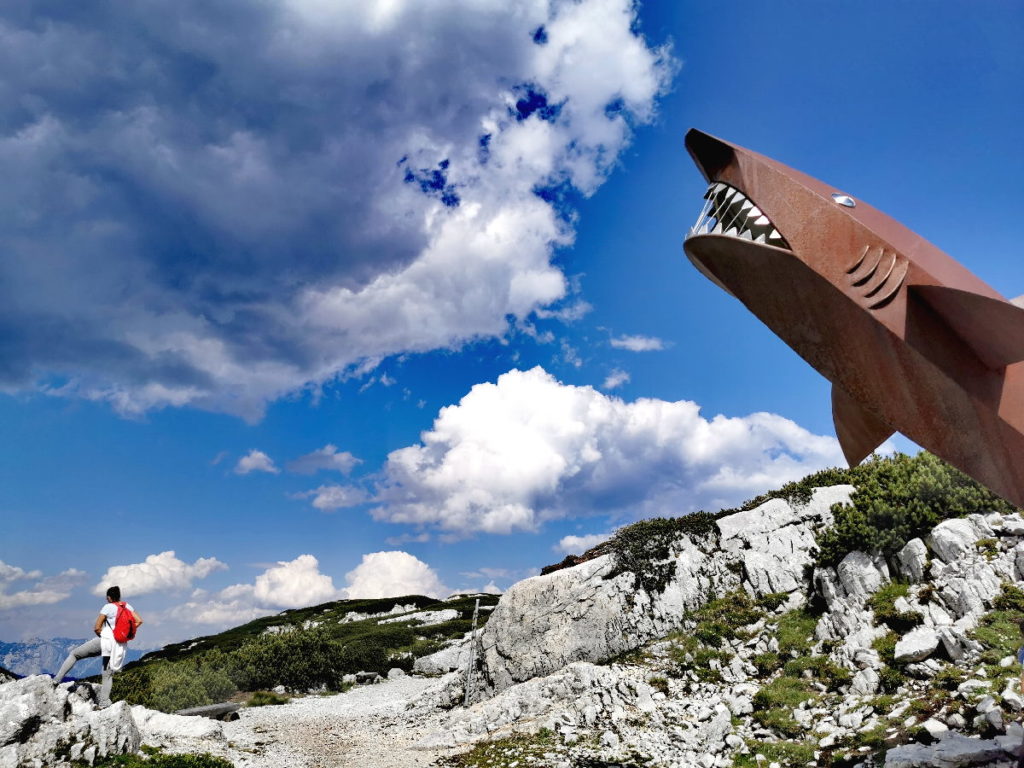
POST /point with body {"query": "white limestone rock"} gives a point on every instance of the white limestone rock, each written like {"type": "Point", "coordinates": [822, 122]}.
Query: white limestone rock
{"type": "Point", "coordinates": [425, 618]}
{"type": "Point", "coordinates": [860, 575]}
{"type": "Point", "coordinates": [865, 682]}
{"type": "Point", "coordinates": [952, 751]}
{"type": "Point", "coordinates": [951, 539]}
{"type": "Point", "coordinates": [455, 656]}
{"type": "Point", "coordinates": [160, 728]}
{"type": "Point", "coordinates": [916, 645]}
{"type": "Point", "coordinates": [912, 559]}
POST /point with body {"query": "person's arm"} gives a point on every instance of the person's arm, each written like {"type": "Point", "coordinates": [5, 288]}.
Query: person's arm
{"type": "Point", "coordinates": [98, 626]}
{"type": "Point", "coordinates": [138, 619]}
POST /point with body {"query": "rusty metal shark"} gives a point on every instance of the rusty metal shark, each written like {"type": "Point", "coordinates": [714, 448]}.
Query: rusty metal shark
{"type": "Point", "coordinates": [911, 340]}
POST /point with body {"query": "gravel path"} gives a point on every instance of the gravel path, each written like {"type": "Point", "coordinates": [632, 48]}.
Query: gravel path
{"type": "Point", "coordinates": [366, 727]}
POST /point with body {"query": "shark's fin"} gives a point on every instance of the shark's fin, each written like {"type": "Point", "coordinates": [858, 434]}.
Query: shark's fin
{"type": "Point", "coordinates": [993, 328]}
{"type": "Point", "coordinates": [859, 431]}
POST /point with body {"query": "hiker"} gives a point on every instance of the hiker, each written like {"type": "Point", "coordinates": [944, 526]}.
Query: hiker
{"type": "Point", "coordinates": [105, 644]}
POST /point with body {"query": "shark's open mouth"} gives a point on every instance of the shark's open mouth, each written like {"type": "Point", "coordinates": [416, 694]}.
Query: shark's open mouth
{"type": "Point", "coordinates": [727, 211]}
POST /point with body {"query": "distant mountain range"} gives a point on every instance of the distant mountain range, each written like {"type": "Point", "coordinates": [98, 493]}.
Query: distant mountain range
{"type": "Point", "coordinates": [38, 656]}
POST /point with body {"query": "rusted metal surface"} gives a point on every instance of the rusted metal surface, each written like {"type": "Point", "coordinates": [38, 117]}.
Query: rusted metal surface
{"type": "Point", "coordinates": [911, 340]}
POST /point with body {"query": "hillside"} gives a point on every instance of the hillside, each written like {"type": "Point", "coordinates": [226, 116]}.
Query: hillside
{"type": "Point", "coordinates": [301, 649]}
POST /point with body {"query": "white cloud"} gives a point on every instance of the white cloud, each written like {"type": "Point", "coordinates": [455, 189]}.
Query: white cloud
{"type": "Point", "coordinates": [45, 591]}
{"type": "Point", "coordinates": [615, 379]}
{"type": "Point", "coordinates": [638, 343]}
{"type": "Point", "coordinates": [326, 458]}
{"type": "Point", "coordinates": [492, 589]}
{"type": "Point", "coordinates": [157, 573]}
{"type": "Point", "coordinates": [287, 584]}
{"type": "Point", "coordinates": [255, 461]}
{"type": "Point", "coordinates": [331, 497]}
{"type": "Point", "coordinates": [527, 449]}
{"type": "Point", "coordinates": [294, 584]}
{"type": "Point", "coordinates": [405, 200]}
{"type": "Point", "coordinates": [9, 573]}
{"type": "Point", "coordinates": [392, 574]}
{"type": "Point", "coordinates": [577, 545]}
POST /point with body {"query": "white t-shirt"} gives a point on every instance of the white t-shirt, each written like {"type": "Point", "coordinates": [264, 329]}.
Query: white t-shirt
{"type": "Point", "coordinates": [109, 646]}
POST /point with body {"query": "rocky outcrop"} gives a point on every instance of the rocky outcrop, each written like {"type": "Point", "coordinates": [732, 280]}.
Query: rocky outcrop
{"type": "Point", "coordinates": [591, 613]}
{"type": "Point", "coordinates": [44, 725]}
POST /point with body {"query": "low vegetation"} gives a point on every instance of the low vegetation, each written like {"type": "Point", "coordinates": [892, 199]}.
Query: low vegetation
{"type": "Point", "coordinates": [883, 603]}
{"type": "Point", "coordinates": [155, 758]}
{"type": "Point", "coordinates": [266, 699]}
{"type": "Point", "coordinates": [306, 654]}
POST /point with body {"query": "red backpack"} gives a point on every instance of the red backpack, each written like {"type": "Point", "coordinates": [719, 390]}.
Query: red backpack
{"type": "Point", "coordinates": [124, 624]}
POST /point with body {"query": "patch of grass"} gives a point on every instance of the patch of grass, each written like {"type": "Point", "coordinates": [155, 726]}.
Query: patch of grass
{"type": "Point", "coordinates": [988, 547]}
{"type": "Point", "coordinates": [767, 663]}
{"type": "Point", "coordinates": [519, 749]}
{"type": "Point", "coordinates": [773, 601]}
{"type": "Point", "coordinates": [266, 698]}
{"type": "Point", "coordinates": [883, 704]}
{"type": "Point", "coordinates": [998, 630]}
{"type": "Point", "coordinates": [774, 704]}
{"type": "Point", "coordinates": [154, 758]}
{"type": "Point", "coordinates": [883, 603]}
{"type": "Point", "coordinates": [786, 753]}
{"type": "Point", "coordinates": [821, 668]}
{"type": "Point", "coordinates": [658, 683]}
{"type": "Point", "coordinates": [688, 655]}
{"type": "Point", "coordinates": [795, 631]}
{"type": "Point", "coordinates": [949, 678]}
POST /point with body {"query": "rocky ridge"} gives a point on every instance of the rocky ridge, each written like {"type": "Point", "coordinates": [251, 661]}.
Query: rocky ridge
{"type": "Point", "coordinates": [745, 653]}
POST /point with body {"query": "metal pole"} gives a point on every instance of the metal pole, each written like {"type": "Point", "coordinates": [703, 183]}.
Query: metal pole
{"type": "Point", "coordinates": [472, 657]}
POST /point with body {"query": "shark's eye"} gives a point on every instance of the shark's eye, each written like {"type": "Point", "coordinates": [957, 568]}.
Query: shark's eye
{"type": "Point", "coordinates": [846, 200]}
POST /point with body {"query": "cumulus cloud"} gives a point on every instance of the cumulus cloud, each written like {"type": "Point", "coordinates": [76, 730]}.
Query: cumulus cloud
{"type": "Point", "coordinates": [331, 497]}
{"type": "Point", "coordinates": [392, 574]}
{"type": "Point", "coordinates": [45, 591]}
{"type": "Point", "coordinates": [214, 204]}
{"type": "Point", "coordinates": [528, 448]}
{"type": "Point", "coordinates": [256, 461]}
{"type": "Point", "coordinates": [326, 458]}
{"type": "Point", "coordinates": [577, 545]}
{"type": "Point", "coordinates": [157, 573]}
{"type": "Point", "coordinates": [615, 379]}
{"type": "Point", "coordinates": [638, 343]}
{"type": "Point", "coordinates": [287, 584]}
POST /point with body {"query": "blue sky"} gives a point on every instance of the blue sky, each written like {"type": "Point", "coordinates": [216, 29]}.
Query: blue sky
{"type": "Point", "coordinates": [236, 228]}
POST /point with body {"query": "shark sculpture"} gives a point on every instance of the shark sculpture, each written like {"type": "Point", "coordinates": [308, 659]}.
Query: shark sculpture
{"type": "Point", "coordinates": [911, 340]}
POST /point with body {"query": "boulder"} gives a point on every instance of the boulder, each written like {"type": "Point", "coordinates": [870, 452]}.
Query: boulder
{"type": "Point", "coordinates": [951, 539]}
{"type": "Point", "coordinates": [395, 673]}
{"type": "Point", "coordinates": [952, 751]}
{"type": "Point", "coordinates": [912, 559]}
{"type": "Point", "coordinates": [865, 682]}
{"type": "Point", "coordinates": [157, 728]}
{"type": "Point", "coordinates": [453, 657]}
{"type": "Point", "coordinates": [860, 575]}
{"type": "Point", "coordinates": [916, 645]}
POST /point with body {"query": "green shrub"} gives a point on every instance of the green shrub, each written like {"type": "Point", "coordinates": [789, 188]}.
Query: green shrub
{"type": "Point", "coordinates": [298, 660]}
{"type": "Point", "coordinates": [989, 547]}
{"type": "Point", "coordinates": [170, 686]}
{"type": "Point", "coordinates": [266, 698]}
{"type": "Point", "coordinates": [898, 498]}
{"type": "Point", "coordinates": [1010, 599]}
{"type": "Point", "coordinates": [890, 679]}
{"type": "Point", "coordinates": [688, 655]}
{"type": "Point", "coordinates": [642, 548]}
{"type": "Point", "coordinates": [783, 692]}
{"type": "Point", "coordinates": [658, 683]}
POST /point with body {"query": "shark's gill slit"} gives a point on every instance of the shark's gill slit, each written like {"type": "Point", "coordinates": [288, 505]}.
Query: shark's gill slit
{"type": "Point", "coordinates": [727, 211]}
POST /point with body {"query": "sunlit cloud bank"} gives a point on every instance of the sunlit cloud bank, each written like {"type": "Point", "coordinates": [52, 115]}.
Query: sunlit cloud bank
{"type": "Point", "coordinates": [213, 204]}
{"type": "Point", "coordinates": [528, 449]}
